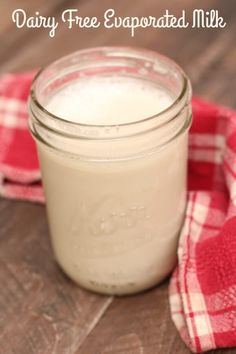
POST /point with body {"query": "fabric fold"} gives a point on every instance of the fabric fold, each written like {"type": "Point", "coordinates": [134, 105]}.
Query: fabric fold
{"type": "Point", "coordinates": [202, 289]}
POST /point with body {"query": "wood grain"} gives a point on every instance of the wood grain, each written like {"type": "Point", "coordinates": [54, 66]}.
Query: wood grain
{"type": "Point", "coordinates": [42, 311]}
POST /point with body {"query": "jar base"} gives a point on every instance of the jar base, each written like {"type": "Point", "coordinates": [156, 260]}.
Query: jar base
{"type": "Point", "coordinates": [119, 290]}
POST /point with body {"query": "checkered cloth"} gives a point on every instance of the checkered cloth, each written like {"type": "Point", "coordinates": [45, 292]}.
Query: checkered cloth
{"type": "Point", "coordinates": [203, 286]}
{"type": "Point", "coordinates": [19, 169]}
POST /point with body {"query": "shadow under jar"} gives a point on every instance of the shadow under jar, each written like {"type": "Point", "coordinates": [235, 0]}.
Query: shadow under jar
{"type": "Point", "coordinates": [111, 127]}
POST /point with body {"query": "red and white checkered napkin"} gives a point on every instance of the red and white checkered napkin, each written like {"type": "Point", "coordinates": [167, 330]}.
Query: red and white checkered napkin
{"type": "Point", "coordinates": [19, 169]}
{"type": "Point", "coordinates": [203, 286]}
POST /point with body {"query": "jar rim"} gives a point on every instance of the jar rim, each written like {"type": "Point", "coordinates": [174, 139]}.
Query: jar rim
{"type": "Point", "coordinates": [132, 52]}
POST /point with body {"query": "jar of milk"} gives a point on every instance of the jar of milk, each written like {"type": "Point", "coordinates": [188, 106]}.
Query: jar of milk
{"type": "Point", "coordinates": [111, 127]}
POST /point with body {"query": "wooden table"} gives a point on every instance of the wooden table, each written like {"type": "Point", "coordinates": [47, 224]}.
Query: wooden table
{"type": "Point", "coordinates": [41, 310]}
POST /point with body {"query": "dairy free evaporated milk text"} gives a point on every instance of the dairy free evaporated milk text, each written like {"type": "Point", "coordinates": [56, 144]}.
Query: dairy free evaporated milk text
{"type": "Point", "coordinates": [114, 224]}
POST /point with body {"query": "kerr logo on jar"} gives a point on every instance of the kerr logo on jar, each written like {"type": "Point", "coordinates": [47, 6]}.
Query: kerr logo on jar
{"type": "Point", "coordinates": [110, 215]}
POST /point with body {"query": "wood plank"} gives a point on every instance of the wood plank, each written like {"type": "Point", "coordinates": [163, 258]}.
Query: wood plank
{"type": "Point", "coordinates": [166, 41]}
{"type": "Point", "coordinates": [41, 310]}
{"type": "Point", "coordinates": [14, 40]}
{"type": "Point", "coordinates": [140, 325]}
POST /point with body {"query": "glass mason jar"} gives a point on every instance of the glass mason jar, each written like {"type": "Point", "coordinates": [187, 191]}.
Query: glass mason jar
{"type": "Point", "coordinates": [115, 194]}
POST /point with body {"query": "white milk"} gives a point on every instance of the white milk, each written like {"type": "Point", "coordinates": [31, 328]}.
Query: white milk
{"type": "Point", "coordinates": [108, 101]}
{"type": "Point", "coordinates": [114, 224]}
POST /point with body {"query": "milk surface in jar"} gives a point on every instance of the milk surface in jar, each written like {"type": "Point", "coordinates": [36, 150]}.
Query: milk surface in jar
{"type": "Point", "coordinates": [115, 204]}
